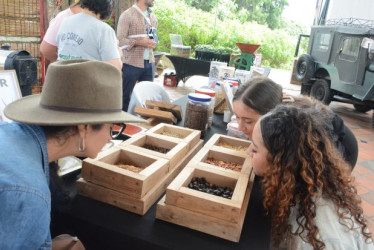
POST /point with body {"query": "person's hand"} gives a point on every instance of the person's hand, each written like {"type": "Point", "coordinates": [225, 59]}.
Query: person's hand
{"type": "Point", "coordinates": [151, 44]}
{"type": "Point", "coordinates": [146, 42]}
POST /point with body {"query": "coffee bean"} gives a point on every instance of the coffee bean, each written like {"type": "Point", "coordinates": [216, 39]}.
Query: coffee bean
{"type": "Point", "coordinates": [201, 184]}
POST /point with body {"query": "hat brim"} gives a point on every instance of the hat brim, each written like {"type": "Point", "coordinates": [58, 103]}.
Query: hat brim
{"type": "Point", "coordinates": [27, 110]}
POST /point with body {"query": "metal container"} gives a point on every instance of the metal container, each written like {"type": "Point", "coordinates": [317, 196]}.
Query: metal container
{"type": "Point", "coordinates": [23, 63]}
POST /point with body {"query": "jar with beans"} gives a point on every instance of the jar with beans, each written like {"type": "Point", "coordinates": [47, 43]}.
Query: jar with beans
{"type": "Point", "coordinates": [197, 112]}
{"type": "Point", "coordinates": [212, 94]}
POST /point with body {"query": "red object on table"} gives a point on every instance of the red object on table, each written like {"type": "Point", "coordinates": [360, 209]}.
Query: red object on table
{"type": "Point", "coordinates": [129, 130]}
{"type": "Point", "coordinates": [170, 80]}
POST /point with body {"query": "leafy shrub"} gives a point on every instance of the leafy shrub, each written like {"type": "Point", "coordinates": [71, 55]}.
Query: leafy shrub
{"type": "Point", "coordinates": [203, 28]}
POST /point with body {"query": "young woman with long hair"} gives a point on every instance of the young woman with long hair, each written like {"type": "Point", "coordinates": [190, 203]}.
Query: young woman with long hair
{"type": "Point", "coordinates": [308, 191]}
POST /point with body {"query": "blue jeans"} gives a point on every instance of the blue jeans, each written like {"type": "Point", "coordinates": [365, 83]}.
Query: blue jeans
{"type": "Point", "coordinates": [130, 75]}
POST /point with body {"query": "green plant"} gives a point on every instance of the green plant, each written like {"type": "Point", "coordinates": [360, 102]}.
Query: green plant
{"type": "Point", "coordinates": [199, 29]}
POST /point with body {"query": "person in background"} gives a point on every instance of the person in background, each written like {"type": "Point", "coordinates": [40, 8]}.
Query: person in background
{"type": "Point", "coordinates": [73, 116]}
{"type": "Point", "coordinates": [309, 193]}
{"type": "Point", "coordinates": [86, 36]}
{"type": "Point", "coordinates": [260, 95]}
{"type": "Point", "coordinates": [136, 33]}
{"type": "Point", "coordinates": [49, 46]}
{"type": "Point", "coordinates": [144, 91]}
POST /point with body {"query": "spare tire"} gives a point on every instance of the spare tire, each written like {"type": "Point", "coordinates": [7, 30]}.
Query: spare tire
{"type": "Point", "coordinates": [304, 68]}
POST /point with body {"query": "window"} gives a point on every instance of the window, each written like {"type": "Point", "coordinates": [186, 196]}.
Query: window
{"type": "Point", "coordinates": [351, 46]}
{"type": "Point", "coordinates": [322, 42]}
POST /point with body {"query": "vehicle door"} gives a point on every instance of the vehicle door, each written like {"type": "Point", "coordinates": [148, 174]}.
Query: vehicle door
{"type": "Point", "coordinates": [350, 60]}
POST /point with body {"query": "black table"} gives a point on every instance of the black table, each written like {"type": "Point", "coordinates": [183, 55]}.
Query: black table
{"type": "Point", "coordinates": [186, 67]}
{"type": "Point", "coordinates": [102, 226]}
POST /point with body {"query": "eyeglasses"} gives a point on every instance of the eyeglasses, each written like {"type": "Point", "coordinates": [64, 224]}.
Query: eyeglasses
{"type": "Point", "coordinates": [116, 130]}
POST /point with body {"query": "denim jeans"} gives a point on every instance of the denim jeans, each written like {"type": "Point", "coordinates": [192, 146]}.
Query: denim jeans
{"type": "Point", "coordinates": [130, 75]}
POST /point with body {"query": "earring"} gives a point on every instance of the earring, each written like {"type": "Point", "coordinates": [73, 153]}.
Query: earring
{"type": "Point", "coordinates": [81, 145]}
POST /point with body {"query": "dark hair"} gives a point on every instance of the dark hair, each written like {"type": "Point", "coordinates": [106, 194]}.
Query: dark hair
{"type": "Point", "coordinates": [342, 136]}
{"type": "Point", "coordinates": [102, 7]}
{"type": "Point", "coordinates": [62, 133]}
{"type": "Point", "coordinates": [260, 94]}
{"type": "Point", "coordinates": [59, 193]}
{"type": "Point", "coordinates": [305, 165]}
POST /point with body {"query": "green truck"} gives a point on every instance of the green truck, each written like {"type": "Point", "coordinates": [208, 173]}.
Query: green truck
{"type": "Point", "coordinates": [339, 64]}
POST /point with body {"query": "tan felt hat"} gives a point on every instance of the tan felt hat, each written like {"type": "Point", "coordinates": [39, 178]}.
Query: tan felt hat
{"type": "Point", "coordinates": [74, 92]}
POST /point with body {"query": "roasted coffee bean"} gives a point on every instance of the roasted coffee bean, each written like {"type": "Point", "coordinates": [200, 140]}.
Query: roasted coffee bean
{"type": "Point", "coordinates": [223, 164]}
{"type": "Point", "coordinates": [201, 184]}
{"type": "Point", "coordinates": [157, 149]}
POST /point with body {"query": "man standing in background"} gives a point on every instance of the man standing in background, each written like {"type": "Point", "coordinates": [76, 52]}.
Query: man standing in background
{"type": "Point", "coordinates": [136, 32]}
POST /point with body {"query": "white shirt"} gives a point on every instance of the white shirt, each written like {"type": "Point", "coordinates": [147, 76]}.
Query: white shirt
{"type": "Point", "coordinates": [335, 235]}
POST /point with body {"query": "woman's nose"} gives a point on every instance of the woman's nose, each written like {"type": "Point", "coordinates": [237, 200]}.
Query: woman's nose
{"type": "Point", "coordinates": [240, 125]}
{"type": "Point", "coordinates": [249, 151]}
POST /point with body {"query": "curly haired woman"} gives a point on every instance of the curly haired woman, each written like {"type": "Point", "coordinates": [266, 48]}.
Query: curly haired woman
{"type": "Point", "coordinates": [308, 190]}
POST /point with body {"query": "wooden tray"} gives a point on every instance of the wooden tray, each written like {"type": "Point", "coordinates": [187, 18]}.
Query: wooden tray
{"type": "Point", "coordinates": [180, 195]}
{"type": "Point", "coordinates": [229, 143]}
{"type": "Point", "coordinates": [131, 203]}
{"type": "Point", "coordinates": [104, 172]}
{"type": "Point", "coordinates": [189, 136]}
{"type": "Point", "coordinates": [225, 155]}
{"type": "Point", "coordinates": [177, 149]}
{"type": "Point", "coordinates": [205, 223]}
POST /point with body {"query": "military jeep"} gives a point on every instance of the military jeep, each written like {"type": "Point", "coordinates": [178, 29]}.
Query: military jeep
{"type": "Point", "coordinates": [339, 64]}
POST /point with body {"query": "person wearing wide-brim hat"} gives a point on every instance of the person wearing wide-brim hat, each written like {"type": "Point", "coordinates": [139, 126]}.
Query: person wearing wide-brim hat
{"type": "Point", "coordinates": [74, 114]}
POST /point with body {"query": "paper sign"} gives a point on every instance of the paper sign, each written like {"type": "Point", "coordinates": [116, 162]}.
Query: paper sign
{"type": "Point", "coordinates": [226, 71]}
{"type": "Point", "coordinates": [243, 75]}
{"type": "Point", "coordinates": [214, 73]}
{"type": "Point", "coordinates": [9, 90]}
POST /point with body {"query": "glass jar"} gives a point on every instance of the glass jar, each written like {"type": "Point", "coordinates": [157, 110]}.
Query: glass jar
{"type": "Point", "coordinates": [197, 112]}
{"type": "Point", "coordinates": [212, 94]}
{"type": "Point", "coordinates": [220, 103]}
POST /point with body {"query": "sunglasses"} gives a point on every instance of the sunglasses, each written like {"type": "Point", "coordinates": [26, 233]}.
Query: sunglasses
{"type": "Point", "coordinates": [116, 130]}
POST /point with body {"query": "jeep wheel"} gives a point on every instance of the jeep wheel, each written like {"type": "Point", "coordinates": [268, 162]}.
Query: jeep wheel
{"type": "Point", "coordinates": [304, 68]}
{"type": "Point", "coordinates": [321, 91]}
{"type": "Point", "coordinates": [361, 108]}
{"type": "Point", "coordinates": [305, 89]}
